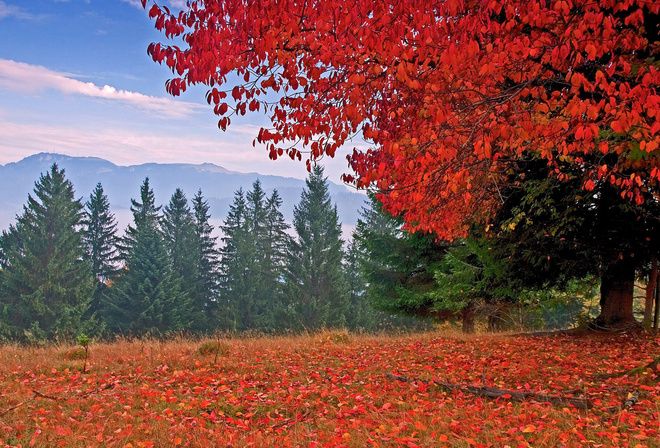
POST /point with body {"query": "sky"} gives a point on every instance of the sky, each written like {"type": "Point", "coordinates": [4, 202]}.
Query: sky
{"type": "Point", "coordinates": [75, 79]}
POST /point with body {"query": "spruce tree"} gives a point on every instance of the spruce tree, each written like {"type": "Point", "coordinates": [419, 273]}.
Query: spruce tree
{"type": "Point", "coordinates": [100, 239]}
{"type": "Point", "coordinates": [359, 315]}
{"type": "Point", "coordinates": [147, 297]}
{"type": "Point", "coordinates": [399, 267]}
{"type": "Point", "coordinates": [205, 296]}
{"type": "Point", "coordinates": [253, 258]}
{"type": "Point", "coordinates": [314, 277]}
{"type": "Point", "coordinates": [274, 253]}
{"type": "Point", "coordinates": [47, 286]}
{"type": "Point", "coordinates": [252, 305]}
{"type": "Point", "coordinates": [233, 264]}
{"type": "Point", "coordinates": [180, 239]}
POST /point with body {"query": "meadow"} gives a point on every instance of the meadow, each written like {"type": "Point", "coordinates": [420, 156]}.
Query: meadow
{"type": "Point", "coordinates": [335, 389]}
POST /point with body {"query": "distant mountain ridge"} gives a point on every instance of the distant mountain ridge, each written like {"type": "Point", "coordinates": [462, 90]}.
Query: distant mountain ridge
{"type": "Point", "coordinates": [121, 183]}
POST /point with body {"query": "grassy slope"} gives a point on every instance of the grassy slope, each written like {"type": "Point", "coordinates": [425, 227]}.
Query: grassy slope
{"type": "Point", "coordinates": [328, 390]}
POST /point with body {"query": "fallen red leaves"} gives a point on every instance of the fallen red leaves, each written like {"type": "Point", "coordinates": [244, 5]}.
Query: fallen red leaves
{"type": "Point", "coordinates": [311, 391]}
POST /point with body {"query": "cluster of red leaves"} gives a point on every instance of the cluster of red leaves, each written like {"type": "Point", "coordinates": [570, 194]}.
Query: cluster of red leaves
{"type": "Point", "coordinates": [313, 392]}
{"type": "Point", "coordinates": [450, 93]}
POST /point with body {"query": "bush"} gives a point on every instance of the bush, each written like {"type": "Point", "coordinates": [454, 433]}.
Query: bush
{"type": "Point", "coordinates": [213, 348]}
{"type": "Point", "coordinates": [76, 354]}
{"type": "Point", "coordinates": [340, 336]}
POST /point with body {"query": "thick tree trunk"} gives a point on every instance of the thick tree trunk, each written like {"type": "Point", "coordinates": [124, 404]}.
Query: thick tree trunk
{"type": "Point", "coordinates": [650, 293]}
{"type": "Point", "coordinates": [616, 296]}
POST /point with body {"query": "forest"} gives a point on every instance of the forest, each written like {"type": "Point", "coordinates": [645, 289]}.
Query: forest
{"type": "Point", "coordinates": [511, 154]}
{"type": "Point", "coordinates": [66, 271]}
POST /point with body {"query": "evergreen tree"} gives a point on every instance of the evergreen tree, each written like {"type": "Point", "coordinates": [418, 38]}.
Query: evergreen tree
{"type": "Point", "coordinates": [181, 241]}
{"type": "Point", "coordinates": [100, 239]}
{"type": "Point", "coordinates": [205, 295]}
{"type": "Point", "coordinates": [253, 304]}
{"type": "Point", "coordinates": [147, 297]}
{"type": "Point", "coordinates": [315, 285]}
{"type": "Point", "coordinates": [252, 262]}
{"type": "Point", "coordinates": [399, 267]}
{"type": "Point", "coordinates": [268, 230]}
{"type": "Point", "coordinates": [233, 264]}
{"type": "Point", "coordinates": [47, 286]}
{"type": "Point", "coordinates": [274, 248]}
{"type": "Point", "coordinates": [359, 315]}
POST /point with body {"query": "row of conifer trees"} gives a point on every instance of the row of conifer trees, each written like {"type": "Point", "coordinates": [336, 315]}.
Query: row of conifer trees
{"type": "Point", "coordinates": [64, 270]}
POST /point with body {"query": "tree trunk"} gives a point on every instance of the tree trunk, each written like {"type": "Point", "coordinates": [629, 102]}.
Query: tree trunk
{"type": "Point", "coordinates": [656, 314]}
{"type": "Point", "coordinates": [468, 318]}
{"type": "Point", "coordinates": [495, 320]}
{"type": "Point", "coordinates": [616, 296]}
{"type": "Point", "coordinates": [650, 293]}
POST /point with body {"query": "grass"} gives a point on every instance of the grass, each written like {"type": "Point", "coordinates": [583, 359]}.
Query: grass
{"type": "Point", "coordinates": [328, 389]}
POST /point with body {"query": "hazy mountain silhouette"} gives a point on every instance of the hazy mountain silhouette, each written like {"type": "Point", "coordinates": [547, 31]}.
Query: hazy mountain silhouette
{"type": "Point", "coordinates": [121, 183]}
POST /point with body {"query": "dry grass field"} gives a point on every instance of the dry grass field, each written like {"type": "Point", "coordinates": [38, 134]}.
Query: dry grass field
{"type": "Point", "coordinates": [335, 389]}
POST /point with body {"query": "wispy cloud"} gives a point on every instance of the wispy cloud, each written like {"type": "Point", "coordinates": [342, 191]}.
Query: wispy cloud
{"type": "Point", "coordinates": [14, 11]}
{"type": "Point", "coordinates": [135, 146]}
{"type": "Point", "coordinates": [122, 146]}
{"type": "Point", "coordinates": [33, 79]}
{"type": "Point", "coordinates": [135, 3]}
{"type": "Point", "coordinates": [181, 4]}
{"type": "Point", "coordinates": [178, 3]}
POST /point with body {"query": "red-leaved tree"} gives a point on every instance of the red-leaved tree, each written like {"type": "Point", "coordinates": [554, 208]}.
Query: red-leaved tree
{"type": "Point", "coordinates": [450, 94]}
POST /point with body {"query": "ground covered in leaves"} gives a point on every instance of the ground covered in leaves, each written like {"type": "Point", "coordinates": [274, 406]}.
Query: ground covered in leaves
{"type": "Point", "coordinates": [332, 389]}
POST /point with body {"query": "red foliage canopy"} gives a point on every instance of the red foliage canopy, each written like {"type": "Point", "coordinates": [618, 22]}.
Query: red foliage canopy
{"type": "Point", "coordinates": [449, 93]}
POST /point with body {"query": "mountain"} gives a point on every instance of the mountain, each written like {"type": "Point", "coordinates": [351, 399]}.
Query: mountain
{"type": "Point", "coordinates": [121, 183]}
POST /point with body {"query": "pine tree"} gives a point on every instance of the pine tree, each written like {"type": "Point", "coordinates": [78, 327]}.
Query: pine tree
{"type": "Point", "coordinates": [100, 239]}
{"type": "Point", "coordinates": [267, 230]}
{"type": "Point", "coordinates": [399, 267]}
{"type": "Point", "coordinates": [233, 264]}
{"type": "Point", "coordinates": [274, 251]}
{"type": "Point", "coordinates": [252, 306]}
{"type": "Point", "coordinates": [252, 259]}
{"type": "Point", "coordinates": [147, 297]}
{"type": "Point", "coordinates": [205, 296]}
{"type": "Point", "coordinates": [181, 241]}
{"type": "Point", "coordinates": [359, 315]}
{"type": "Point", "coordinates": [47, 286]}
{"type": "Point", "coordinates": [314, 269]}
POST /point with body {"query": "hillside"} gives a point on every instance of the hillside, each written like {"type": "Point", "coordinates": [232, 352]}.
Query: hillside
{"type": "Point", "coordinates": [121, 183]}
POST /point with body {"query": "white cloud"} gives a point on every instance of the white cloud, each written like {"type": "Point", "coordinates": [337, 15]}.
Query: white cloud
{"type": "Point", "coordinates": [180, 4]}
{"type": "Point", "coordinates": [135, 3]}
{"type": "Point", "coordinates": [33, 79]}
{"type": "Point", "coordinates": [14, 11]}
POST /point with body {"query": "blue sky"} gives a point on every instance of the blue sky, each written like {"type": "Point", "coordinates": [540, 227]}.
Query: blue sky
{"type": "Point", "coordinates": [75, 79]}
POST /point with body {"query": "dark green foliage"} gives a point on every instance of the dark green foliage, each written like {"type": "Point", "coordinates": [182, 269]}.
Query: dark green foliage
{"type": "Point", "coordinates": [205, 294]}
{"type": "Point", "coordinates": [178, 226]}
{"type": "Point", "coordinates": [100, 239]}
{"type": "Point", "coordinates": [46, 284]}
{"type": "Point", "coordinates": [399, 267]}
{"type": "Point", "coordinates": [316, 291]}
{"type": "Point", "coordinates": [551, 232]}
{"type": "Point", "coordinates": [252, 262]}
{"type": "Point", "coordinates": [270, 256]}
{"type": "Point", "coordinates": [233, 263]}
{"type": "Point", "coordinates": [147, 296]}
{"type": "Point", "coordinates": [99, 235]}
{"type": "Point", "coordinates": [359, 315]}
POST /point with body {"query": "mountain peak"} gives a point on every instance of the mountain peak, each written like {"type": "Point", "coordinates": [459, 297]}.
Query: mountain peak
{"type": "Point", "coordinates": [121, 183]}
